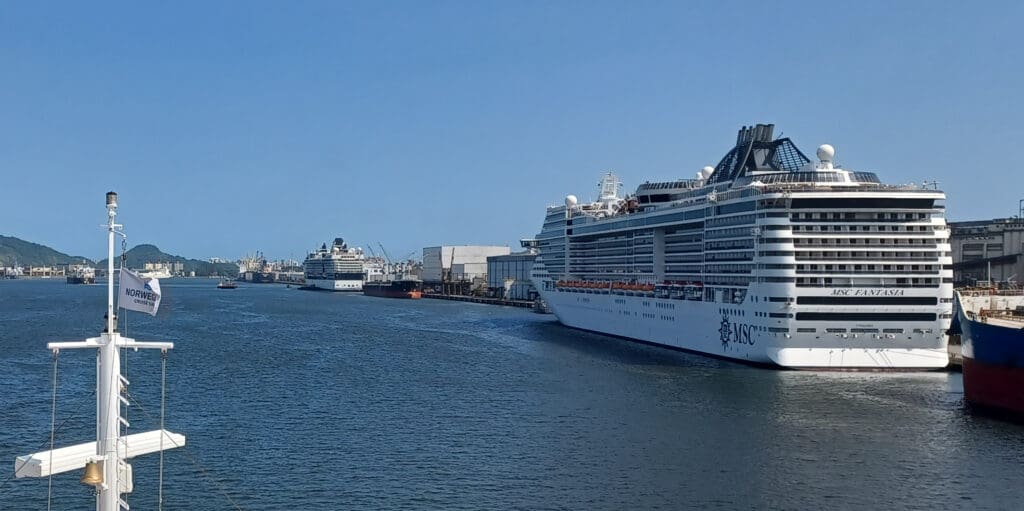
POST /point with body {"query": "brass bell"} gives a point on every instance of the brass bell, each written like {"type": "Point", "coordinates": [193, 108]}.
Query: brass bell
{"type": "Point", "coordinates": [93, 473]}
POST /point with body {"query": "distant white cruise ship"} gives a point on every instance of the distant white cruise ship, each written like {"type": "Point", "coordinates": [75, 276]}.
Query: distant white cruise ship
{"type": "Point", "coordinates": [765, 258]}
{"type": "Point", "coordinates": [157, 273]}
{"type": "Point", "coordinates": [338, 268]}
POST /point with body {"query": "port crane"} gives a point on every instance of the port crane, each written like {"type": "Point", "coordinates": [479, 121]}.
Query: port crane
{"type": "Point", "coordinates": [385, 252]}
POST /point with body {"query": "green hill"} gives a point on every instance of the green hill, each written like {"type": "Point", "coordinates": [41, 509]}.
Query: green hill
{"type": "Point", "coordinates": [137, 257]}
{"type": "Point", "coordinates": [25, 253]}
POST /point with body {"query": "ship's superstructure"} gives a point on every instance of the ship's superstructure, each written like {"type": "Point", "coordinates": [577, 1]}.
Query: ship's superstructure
{"type": "Point", "coordinates": [767, 258]}
{"type": "Point", "coordinates": [338, 268]}
{"type": "Point", "coordinates": [81, 274]}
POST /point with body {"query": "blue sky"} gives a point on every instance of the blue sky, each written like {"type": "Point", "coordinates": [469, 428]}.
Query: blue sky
{"type": "Point", "coordinates": [230, 127]}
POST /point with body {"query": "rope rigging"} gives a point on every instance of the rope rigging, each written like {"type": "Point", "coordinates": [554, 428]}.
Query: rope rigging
{"type": "Point", "coordinates": [53, 428]}
{"type": "Point", "coordinates": [74, 415]}
{"type": "Point", "coordinates": [192, 459]}
{"type": "Point", "coordinates": [124, 350]}
{"type": "Point", "coordinates": [163, 401]}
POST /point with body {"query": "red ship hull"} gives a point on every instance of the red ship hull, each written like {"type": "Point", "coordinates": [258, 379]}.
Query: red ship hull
{"type": "Point", "coordinates": [994, 387]}
{"type": "Point", "coordinates": [993, 351]}
{"type": "Point", "coordinates": [397, 289]}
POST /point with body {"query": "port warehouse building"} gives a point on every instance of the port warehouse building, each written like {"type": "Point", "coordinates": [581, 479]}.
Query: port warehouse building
{"type": "Point", "coordinates": [980, 245]}
{"type": "Point", "coordinates": [508, 276]}
{"type": "Point", "coordinates": [458, 262]}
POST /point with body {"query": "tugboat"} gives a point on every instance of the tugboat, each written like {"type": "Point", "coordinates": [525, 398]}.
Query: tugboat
{"type": "Point", "coordinates": [105, 460]}
{"type": "Point", "coordinates": [993, 354]}
{"type": "Point", "coordinates": [226, 284]}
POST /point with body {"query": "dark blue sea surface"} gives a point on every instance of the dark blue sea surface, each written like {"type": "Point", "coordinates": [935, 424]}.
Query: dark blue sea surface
{"type": "Point", "coordinates": [308, 400]}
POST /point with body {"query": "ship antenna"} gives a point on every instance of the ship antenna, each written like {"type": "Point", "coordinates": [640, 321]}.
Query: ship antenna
{"type": "Point", "coordinates": [111, 213]}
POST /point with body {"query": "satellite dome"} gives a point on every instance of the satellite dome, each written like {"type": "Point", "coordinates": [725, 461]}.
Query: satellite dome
{"type": "Point", "coordinates": [826, 152]}
{"type": "Point", "coordinates": [570, 201]}
{"type": "Point", "coordinates": [707, 171]}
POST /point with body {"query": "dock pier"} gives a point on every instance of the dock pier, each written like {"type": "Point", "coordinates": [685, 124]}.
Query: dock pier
{"type": "Point", "coordinates": [956, 358]}
{"type": "Point", "coordinates": [480, 299]}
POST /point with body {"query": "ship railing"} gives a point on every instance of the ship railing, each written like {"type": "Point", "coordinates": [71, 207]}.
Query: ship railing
{"type": "Point", "coordinates": [866, 285]}
{"type": "Point", "coordinates": [866, 273]}
{"type": "Point", "coordinates": [801, 187]}
{"type": "Point", "coordinates": [990, 291]}
{"type": "Point", "coordinates": [1010, 315]}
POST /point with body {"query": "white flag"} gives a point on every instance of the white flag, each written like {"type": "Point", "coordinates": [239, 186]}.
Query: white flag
{"type": "Point", "coordinates": [138, 294]}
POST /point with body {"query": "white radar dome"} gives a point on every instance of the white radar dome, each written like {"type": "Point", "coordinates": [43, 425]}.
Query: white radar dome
{"type": "Point", "coordinates": [707, 171]}
{"type": "Point", "coordinates": [570, 201]}
{"type": "Point", "coordinates": [826, 152]}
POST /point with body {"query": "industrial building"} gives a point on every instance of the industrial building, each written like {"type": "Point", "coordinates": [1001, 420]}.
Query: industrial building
{"type": "Point", "coordinates": [173, 268]}
{"type": "Point", "coordinates": [458, 263]}
{"type": "Point", "coordinates": [508, 276]}
{"type": "Point", "coordinates": [988, 250]}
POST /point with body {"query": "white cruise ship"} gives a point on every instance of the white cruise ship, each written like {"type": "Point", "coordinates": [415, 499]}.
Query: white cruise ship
{"type": "Point", "coordinates": [766, 258]}
{"type": "Point", "coordinates": [155, 273]}
{"type": "Point", "coordinates": [337, 268]}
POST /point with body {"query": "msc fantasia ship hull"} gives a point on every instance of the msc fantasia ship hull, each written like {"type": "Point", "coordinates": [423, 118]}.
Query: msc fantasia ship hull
{"type": "Point", "coordinates": [767, 258]}
{"type": "Point", "coordinates": [334, 285]}
{"type": "Point", "coordinates": [725, 331]}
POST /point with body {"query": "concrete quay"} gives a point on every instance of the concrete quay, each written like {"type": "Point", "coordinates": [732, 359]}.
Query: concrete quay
{"type": "Point", "coordinates": [480, 299]}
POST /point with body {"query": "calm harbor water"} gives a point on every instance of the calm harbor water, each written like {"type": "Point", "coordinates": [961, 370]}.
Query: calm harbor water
{"type": "Point", "coordinates": [303, 400]}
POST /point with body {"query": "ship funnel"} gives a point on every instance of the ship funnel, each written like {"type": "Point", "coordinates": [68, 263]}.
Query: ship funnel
{"type": "Point", "coordinates": [758, 133]}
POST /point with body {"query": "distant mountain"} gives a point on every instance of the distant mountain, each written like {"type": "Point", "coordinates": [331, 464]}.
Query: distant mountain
{"type": "Point", "coordinates": [25, 253]}
{"type": "Point", "coordinates": [137, 257]}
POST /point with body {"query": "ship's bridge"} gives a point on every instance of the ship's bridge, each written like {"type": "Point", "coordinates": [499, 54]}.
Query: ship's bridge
{"type": "Point", "coordinates": [651, 193]}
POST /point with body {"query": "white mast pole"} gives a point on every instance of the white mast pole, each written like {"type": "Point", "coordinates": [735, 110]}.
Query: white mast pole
{"type": "Point", "coordinates": [111, 213]}
{"type": "Point", "coordinates": [109, 450]}
{"type": "Point", "coordinates": [108, 408]}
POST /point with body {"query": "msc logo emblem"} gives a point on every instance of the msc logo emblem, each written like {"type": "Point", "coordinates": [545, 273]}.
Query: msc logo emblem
{"type": "Point", "coordinates": [724, 333]}
{"type": "Point", "coordinates": [734, 333]}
